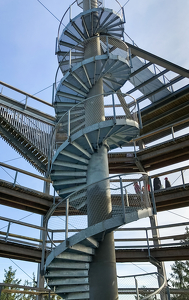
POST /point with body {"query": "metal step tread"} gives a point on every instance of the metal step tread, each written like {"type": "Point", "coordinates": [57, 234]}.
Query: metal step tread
{"type": "Point", "coordinates": [68, 281]}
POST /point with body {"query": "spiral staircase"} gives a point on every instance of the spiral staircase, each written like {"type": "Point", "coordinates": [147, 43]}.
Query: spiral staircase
{"type": "Point", "coordinates": [68, 265]}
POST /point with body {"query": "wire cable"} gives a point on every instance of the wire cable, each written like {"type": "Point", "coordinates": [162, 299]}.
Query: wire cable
{"type": "Point", "coordinates": [18, 220]}
{"type": "Point", "coordinates": [9, 174]}
{"type": "Point", "coordinates": [11, 159]}
{"type": "Point", "coordinates": [178, 215]}
{"type": "Point", "coordinates": [49, 11]}
{"type": "Point", "coordinates": [21, 269]}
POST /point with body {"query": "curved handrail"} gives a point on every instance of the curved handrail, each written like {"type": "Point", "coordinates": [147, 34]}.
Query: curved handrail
{"type": "Point", "coordinates": [79, 44]}
{"type": "Point", "coordinates": [61, 21]}
{"type": "Point", "coordinates": [147, 274]}
{"type": "Point", "coordinates": [54, 206]}
{"type": "Point", "coordinates": [72, 108]}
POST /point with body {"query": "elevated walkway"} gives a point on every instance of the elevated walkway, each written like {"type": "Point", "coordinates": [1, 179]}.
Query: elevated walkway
{"type": "Point", "coordinates": [37, 202]}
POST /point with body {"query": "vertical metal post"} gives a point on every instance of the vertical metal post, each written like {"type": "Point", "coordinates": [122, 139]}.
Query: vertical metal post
{"type": "Point", "coordinates": [56, 45]}
{"type": "Point", "coordinates": [89, 4]}
{"type": "Point", "coordinates": [139, 116]}
{"type": "Point", "coordinates": [26, 102]}
{"type": "Point", "coordinates": [107, 45]}
{"type": "Point", "coordinates": [68, 124]}
{"type": "Point", "coordinates": [70, 59]}
{"type": "Point", "coordinates": [15, 178]}
{"type": "Point", "coordinates": [136, 285]}
{"type": "Point", "coordinates": [53, 87]}
{"type": "Point", "coordinates": [130, 58]}
{"type": "Point", "coordinates": [54, 197]}
{"type": "Point", "coordinates": [135, 149]}
{"type": "Point", "coordinates": [173, 134]}
{"type": "Point", "coordinates": [183, 181]}
{"type": "Point", "coordinates": [70, 9]}
{"type": "Point", "coordinates": [152, 196]}
{"type": "Point", "coordinates": [127, 199]}
{"type": "Point", "coordinates": [66, 223]}
{"type": "Point", "coordinates": [2, 90]}
{"type": "Point", "coordinates": [168, 293]}
{"type": "Point", "coordinates": [123, 12]}
{"type": "Point", "coordinates": [114, 112]}
{"type": "Point", "coordinates": [122, 200]}
{"type": "Point", "coordinates": [103, 3]}
{"type": "Point", "coordinates": [40, 274]}
{"type": "Point", "coordinates": [52, 239]}
{"type": "Point", "coordinates": [148, 243]}
{"type": "Point", "coordinates": [8, 229]}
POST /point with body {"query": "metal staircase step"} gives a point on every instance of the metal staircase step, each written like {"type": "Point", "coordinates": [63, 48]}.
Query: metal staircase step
{"type": "Point", "coordinates": [66, 273]}
{"type": "Point", "coordinates": [67, 281]}
{"type": "Point", "coordinates": [57, 264]}
{"type": "Point", "coordinates": [76, 296]}
{"type": "Point", "coordinates": [70, 190]}
{"type": "Point", "coordinates": [92, 242]}
{"type": "Point", "coordinates": [74, 257]}
{"type": "Point", "coordinates": [81, 149]}
{"type": "Point", "coordinates": [68, 182]}
{"type": "Point", "coordinates": [82, 249]}
{"type": "Point", "coordinates": [74, 156]}
{"type": "Point", "coordinates": [67, 174]}
{"type": "Point", "coordinates": [72, 289]}
{"type": "Point", "coordinates": [78, 196]}
{"type": "Point", "coordinates": [69, 165]}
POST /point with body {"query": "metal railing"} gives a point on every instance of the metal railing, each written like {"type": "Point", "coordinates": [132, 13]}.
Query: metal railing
{"type": "Point", "coordinates": [128, 193]}
{"type": "Point", "coordinates": [18, 170]}
{"type": "Point", "coordinates": [154, 66]}
{"type": "Point", "coordinates": [35, 131]}
{"type": "Point", "coordinates": [107, 42]}
{"type": "Point", "coordinates": [184, 177]}
{"type": "Point", "coordinates": [74, 119]}
{"type": "Point", "coordinates": [68, 13]}
{"type": "Point", "coordinates": [136, 287]}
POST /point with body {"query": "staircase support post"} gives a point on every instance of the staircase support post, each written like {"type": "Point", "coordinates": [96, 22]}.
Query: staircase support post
{"type": "Point", "coordinates": [40, 276]}
{"type": "Point", "coordinates": [161, 269]}
{"type": "Point", "coordinates": [102, 273]}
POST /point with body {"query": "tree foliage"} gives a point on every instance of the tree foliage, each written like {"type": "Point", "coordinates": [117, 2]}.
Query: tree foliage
{"type": "Point", "coordinates": [180, 274]}
{"type": "Point", "coordinates": [10, 277]}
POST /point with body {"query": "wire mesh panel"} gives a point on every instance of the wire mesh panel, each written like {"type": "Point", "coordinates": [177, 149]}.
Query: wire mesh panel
{"type": "Point", "coordinates": [144, 286]}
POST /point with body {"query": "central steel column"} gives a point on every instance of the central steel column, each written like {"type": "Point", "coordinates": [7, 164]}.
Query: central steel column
{"type": "Point", "coordinates": [102, 273]}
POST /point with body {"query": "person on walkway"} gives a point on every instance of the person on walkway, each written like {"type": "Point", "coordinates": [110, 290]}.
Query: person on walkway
{"type": "Point", "coordinates": [167, 183]}
{"type": "Point", "coordinates": [137, 188]}
{"type": "Point", "coordinates": [157, 183]}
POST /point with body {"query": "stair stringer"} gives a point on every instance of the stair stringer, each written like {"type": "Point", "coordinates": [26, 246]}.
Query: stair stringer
{"type": "Point", "coordinates": [75, 254]}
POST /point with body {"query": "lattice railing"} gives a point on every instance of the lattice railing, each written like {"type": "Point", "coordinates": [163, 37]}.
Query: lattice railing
{"type": "Point", "coordinates": [37, 132]}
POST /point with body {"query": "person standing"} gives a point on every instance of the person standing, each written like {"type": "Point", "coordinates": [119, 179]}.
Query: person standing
{"type": "Point", "coordinates": [157, 183]}
{"type": "Point", "coordinates": [167, 183]}
{"type": "Point", "coordinates": [137, 188]}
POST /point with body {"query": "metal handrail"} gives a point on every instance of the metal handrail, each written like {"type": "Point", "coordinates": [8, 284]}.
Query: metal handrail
{"type": "Point", "coordinates": [24, 93]}
{"type": "Point", "coordinates": [147, 274]}
{"type": "Point", "coordinates": [54, 207]}
{"type": "Point", "coordinates": [51, 149]}
{"type": "Point", "coordinates": [69, 10]}
{"type": "Point", "coordinates": [80, 43]}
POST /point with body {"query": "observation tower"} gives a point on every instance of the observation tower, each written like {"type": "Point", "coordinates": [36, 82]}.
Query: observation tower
{"type": "Point", "coordinates": [95, 63]}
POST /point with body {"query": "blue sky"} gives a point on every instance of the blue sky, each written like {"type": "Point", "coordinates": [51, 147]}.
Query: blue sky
{"type": "Point", "coordinates": [27, 60]}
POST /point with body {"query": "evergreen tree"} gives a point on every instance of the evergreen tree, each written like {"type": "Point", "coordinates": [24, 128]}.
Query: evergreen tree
{"type": "Point", "coordinates": [180, 274]}
{"type": "Point", "coordinates": [10, 277]}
